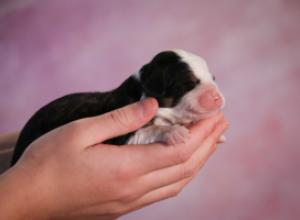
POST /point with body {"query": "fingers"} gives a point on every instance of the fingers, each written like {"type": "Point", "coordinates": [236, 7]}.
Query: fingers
{"type": "Point", "coordinates": [188, 169]}
{"type": "Point", "coordinates": [157, 195]}
{"type": "Point", "coordinates": [158, 156]}
{"type": "Point", "coordinates": [123, 206]}
{"type": "Point", "coordinates": [93, 130]}
{"type": "Point", "coordinates": [170, 181]}
{"type": "Point", "coordinates": [137, 190]}
{"type": "Point", "coordinates": [210, 144]}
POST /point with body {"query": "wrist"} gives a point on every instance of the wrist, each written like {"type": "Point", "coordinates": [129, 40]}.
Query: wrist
{"type": "Point", "coordinates": [20, 198]}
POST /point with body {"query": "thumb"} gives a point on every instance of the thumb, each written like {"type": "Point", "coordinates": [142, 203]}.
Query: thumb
{"type": "Point", "coordinates": [121, 121]}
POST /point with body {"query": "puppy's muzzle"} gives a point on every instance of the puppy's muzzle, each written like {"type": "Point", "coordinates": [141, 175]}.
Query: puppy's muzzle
{"type": "Point", "coordinates": [210, 99]}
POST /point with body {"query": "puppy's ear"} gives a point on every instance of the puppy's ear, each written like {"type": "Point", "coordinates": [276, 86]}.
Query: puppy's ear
{"type": "Point", "coordinates": [153, 79]}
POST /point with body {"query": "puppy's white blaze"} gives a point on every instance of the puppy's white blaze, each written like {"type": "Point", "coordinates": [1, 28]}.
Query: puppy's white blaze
{"type": "Point", "coordinates": [197, 64]}
{"type": "Point", "coordinates": [200, 69]}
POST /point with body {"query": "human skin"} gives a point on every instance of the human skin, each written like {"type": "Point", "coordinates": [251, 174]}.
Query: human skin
{"type": "Point", "coordinates": [67, 174]}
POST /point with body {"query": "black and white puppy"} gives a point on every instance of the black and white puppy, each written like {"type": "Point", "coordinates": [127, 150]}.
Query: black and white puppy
{"type": "Point", "coordinates": [179, 80]}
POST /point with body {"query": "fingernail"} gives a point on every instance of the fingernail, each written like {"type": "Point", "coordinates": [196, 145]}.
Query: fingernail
{"type": "Point", "coordinates": [225, 126]}
{"type": "Point", "coordinates": [146, 106]}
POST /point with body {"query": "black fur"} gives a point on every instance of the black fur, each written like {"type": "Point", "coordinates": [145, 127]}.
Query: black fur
{"type": "Point", "coordinates": [166, 78]}
{"type": "Point", "coordinates": [76, 106]}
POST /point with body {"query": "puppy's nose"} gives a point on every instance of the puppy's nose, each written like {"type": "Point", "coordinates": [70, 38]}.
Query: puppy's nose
{"type": "Point", "coordinates": [210, 100]}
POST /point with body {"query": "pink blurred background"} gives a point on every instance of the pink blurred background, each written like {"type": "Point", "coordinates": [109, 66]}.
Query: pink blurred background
{"type": "Point", "coordinates": [51, 48]}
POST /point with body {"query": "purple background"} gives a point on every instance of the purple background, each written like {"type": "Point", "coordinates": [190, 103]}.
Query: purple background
{"type": "Point", "coordinates": [51, 48]}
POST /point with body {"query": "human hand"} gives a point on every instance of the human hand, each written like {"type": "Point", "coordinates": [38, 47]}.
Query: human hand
{"type": "Point", "coordinates": [67, 174]}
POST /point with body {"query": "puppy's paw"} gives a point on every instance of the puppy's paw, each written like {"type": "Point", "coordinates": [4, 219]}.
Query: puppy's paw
{"type": "Point", "coordinates": [177, 134]}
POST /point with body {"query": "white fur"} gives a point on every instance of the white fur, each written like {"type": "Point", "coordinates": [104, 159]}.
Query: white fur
{"type": "Point", "coordinates": [197, 65]}
{"type": "Point", "coordinates": [167, 125]}
{"type": "Point", "coordinates": [173, 134]}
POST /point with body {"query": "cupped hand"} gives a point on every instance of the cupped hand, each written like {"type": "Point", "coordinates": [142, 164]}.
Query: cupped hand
{"type": "Point", "coordinates": [69, 174]}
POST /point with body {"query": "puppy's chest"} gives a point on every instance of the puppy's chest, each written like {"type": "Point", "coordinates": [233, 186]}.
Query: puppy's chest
{"type": "Point", "coordinates": [167, 126]}
{"type": "Point", "coordinates": [171, 116]}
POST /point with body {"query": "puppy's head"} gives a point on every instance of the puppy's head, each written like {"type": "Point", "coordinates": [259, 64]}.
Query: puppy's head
{"type": "Point", "coordinates": [181, 80]}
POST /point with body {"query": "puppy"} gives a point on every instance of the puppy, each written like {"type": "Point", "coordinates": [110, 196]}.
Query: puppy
{"type": "Point", "coordinates": [179, 80]}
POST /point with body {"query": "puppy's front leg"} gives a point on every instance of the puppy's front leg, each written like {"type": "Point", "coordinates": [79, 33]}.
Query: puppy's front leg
{"type": "Point", "coordinates": [170, 134]}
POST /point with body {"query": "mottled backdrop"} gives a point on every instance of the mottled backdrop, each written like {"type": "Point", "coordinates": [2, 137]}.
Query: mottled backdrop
{"type": "Point", "coordinates": [50, 48]}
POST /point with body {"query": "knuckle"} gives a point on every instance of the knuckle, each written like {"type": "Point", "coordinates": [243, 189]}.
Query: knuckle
{"type": "Point", "coordinates": [121, 118]}
{"type": "Point", "coordinates": [127, 195]}
{"type": "Point", "coordinates": [117, 116]}
{"type": "Point", "coordinates": [188, 170]}
{"type": "Point", "coordinates": [126, 170]}
{"type": "Point", "coordinates": [118, 211]}
{"type": "Point", "coordinates": [213, 147]}
{"type": "Point", "coordinates": [175, 191]}
{"type": "Point", "coordinates": [182, 155]}
{"type": "Point", "coordinates": [215, 138]}
{"type": "Point", "coordinates": [71, 130]}
{"type": "Point", "coordinates": [125, 174]}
